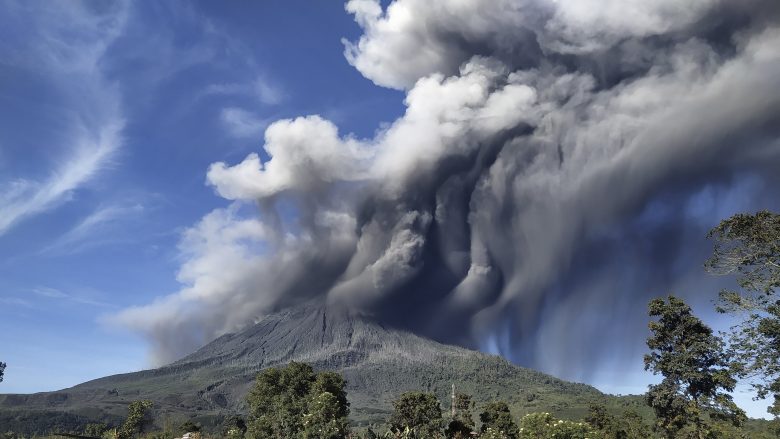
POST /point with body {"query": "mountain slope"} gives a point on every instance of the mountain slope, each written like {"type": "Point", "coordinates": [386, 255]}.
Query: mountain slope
{"type": "Point", "coordinates": [378, 362]}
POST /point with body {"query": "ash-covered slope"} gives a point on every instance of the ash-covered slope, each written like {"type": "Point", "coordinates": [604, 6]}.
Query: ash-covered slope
{"type": "Point", "coordinates": [378, 362]}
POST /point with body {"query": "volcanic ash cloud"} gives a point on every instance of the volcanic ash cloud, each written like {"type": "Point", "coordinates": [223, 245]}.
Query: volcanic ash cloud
{"type": "Point", "coordinates": [558, 163]}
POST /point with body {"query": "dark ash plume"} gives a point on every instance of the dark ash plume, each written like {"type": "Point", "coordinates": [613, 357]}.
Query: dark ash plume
{"type": "Point", "coordinates": [558, 164]}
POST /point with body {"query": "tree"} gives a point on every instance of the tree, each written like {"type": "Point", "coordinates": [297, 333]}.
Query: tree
{"type": "Point", "coordinates": [333, 383]}
{"type": "Point", "coordinates": [2, 371]}
{"type": "Point", "coordinates": [748, 246]}
{"type": "Point", "coordinates": [325, 418]}
{"type": "Point", "coordinates": [545, 426]}
{"type": "Point", "coordinates": [598, 417]}
{"type": "Point", "coordinates": [233, 427]}
{"type": "Point", "coordinates": [189, 427]}
{"type": "Point", "coordinates": [137, 417]}
{"type": "Point", "coordinates": [418, 412]}
{"type": "Point", "coordinates": [277, 402]}
{"type": "Point", "coordinates": [629, 425]}
{"type": "Point", "coordinates": [496, 416]}
{"type": "Point", "coordinates": [462, 424]}
{"type": "Point", "coordinates": [284, 401]}
{"type": "Point", "coordinates": [95, 429]}
{"type": "Point", "coordinates": [695, 368]}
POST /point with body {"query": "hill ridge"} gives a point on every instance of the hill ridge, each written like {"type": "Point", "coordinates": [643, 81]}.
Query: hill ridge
{"type": "Point", "coordinates": [377, 361]}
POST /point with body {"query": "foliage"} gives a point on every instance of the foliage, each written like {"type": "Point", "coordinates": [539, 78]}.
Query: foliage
{"type": "Point", "coordinates": [462, 423]}
{"type": "Point", "coordinates": [325, 418]}
{"type": "Point", "coordinates": [233, 427]}
{"type": "Point", "coordinates": [545, 426]}
{"type": "Point", "coordinates": [2, 371]}
{"type": "Point", "coordinates": [294, 402]}
{"type": "Point", "coordinates": [95, 429]}
{"type": "Point", "coordinates": [695, 370]}
{"type": "Point", "coordinates": [496, 415]}
{"type": "Point", "coordinates": [137, 416]}
{"type": "Point", "coordinates": [492, 433]}
{"type": "Point", "coordinates": [748, 246]}
{"type": "Point", "coordinates": [598, 417]}
{"type": "Point", "coordinates": [416, 412]}
{"type": "Point", "coordinates": [629, 425]}
{"type": "Point", "coordinates": [189, 427]}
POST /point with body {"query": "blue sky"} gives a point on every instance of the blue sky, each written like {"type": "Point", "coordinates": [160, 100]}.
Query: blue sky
{"type": "Point", "coordinates": [88, 228]}
{"type": "Point", "coordinates": [111, 115]}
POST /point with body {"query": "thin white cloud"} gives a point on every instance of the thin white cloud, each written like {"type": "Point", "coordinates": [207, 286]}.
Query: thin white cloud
{"type": "Point", "coordinates": [56, 294]}
{"type": "Point", "coordinates": [66, 46]}
{"type": "Point", "coordinates": [261, 89]}
{"type": "Point", "coordinates": [23, 199]}
{"type": "Point", "coordinates": [243, 124]}
{"type": "Point", "coordinates": [267, 92]}
{"type": "Point", "coordinates": [91, 230]}
{"type": "Point", "coordinates": [15, 301]}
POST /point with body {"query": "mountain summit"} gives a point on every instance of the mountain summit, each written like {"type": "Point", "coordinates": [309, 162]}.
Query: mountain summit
{"type": "Point", "coordinates": [378, 363]}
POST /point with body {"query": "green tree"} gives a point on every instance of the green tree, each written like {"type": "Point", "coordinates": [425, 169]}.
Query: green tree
{"type": "Point", "coordinates": [137, 417]}
{"type": "Point", "coordinates": [462, 424]}
{"type": "Point", "coordinates": [627, 426]}
{"type": "Point", "coordinates": [748, 246]}
{"type": "Point", "coordinates": [496, 416]}
{"type": "Point", "coordinates": [95, 429]}
{"type": "Point", "coordinates": [277, 402]}
{"type": "Point", "coordinates": [2, 371]}
{"type": "Point", "coordinates": [189, 427]}
{"type": "Point", "coordinates": [545, 426]}
{"type": "Point", "coordinates": [283, 398]}
{"type": "Point", "coordinates": [696, 372]}
{"type": "Point", "coordinates": [492, 433]}
{"type": "Point", "coordinates": [333, 383]}
{"type": "Point", "coordinates": [631, 426]}
{"type": "Point", "coordinates": [418, 412]}
{"type": "Point", "coordinates": [599, 418]}
{"type": "Point", "coordinates": [233, 427]}
{"type": "Point", "coordinates": [325, 418]}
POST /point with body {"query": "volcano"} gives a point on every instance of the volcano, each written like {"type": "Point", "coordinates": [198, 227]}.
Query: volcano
{"type": "Point", "coordinates": [378, 362]}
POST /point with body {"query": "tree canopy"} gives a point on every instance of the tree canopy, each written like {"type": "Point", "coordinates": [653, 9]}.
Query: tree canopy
{"type": "Point", "coordinates": [418, 412]}
{"type": "Point", "coordinates": [295, 402]}
{"type": "Point", "coordinates": [496, 416]}
{"type": "Point", "coordinates": [696, 371]}
{"type": "Point", "coordinates": [137, 417]}
{"type": "Point", "coordinates": [748, 247]}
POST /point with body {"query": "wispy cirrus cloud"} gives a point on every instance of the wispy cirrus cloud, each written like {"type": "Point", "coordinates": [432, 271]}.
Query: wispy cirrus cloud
{"type": "Point", "coordinates": [57, 294]}
{"type": "Point", "coordinates": [93, 229]}
{"type": "Point", "coordinates": [64, 45]}
{"type": "Point", "coordinates": [243, 124]}
{"type": "Point", "coordinates": [24, 198]}
{"type": "Point", "coordinates": [261, 89]}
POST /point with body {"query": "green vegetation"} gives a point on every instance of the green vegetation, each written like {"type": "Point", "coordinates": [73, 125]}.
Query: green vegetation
{"type": "Point", "coordinates": [695, 369]}
{"type": "Point", "coordinates": [748, 246]}
{"type": "Point", "coordinates": [462, 423]}
{"type": "Point", "coordinates": [137, 417]}
{"type": "Point", "coordinates": [628, 425]}
{"type": "Point", "coordinates": [2, 371]}
{"type": "Point", "coordinates": [496, 417]}
{"type": "Point", "coordinates": [417, 413]}
{"type": "Point", "coordinates": [294, 402]}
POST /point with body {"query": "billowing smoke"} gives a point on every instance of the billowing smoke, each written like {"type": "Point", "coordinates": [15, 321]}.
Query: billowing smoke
{"type": "Point", "coordinates": [558, 163]}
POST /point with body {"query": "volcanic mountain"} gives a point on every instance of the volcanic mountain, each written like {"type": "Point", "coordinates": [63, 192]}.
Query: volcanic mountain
{"type": "Point", "coordinates": [378, 363]}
